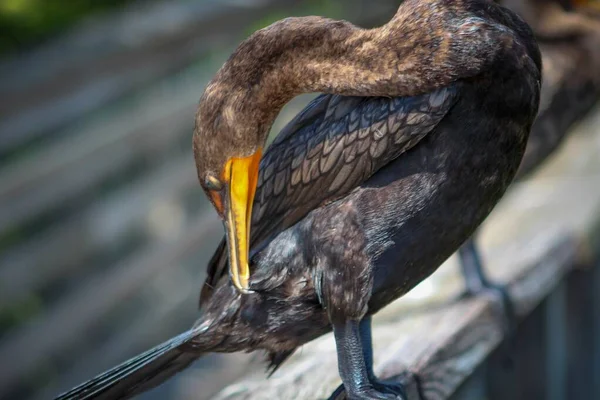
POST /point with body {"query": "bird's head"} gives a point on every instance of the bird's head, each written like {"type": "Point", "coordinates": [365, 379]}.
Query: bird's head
{"type": "Point", "coordinates": [228, 144]}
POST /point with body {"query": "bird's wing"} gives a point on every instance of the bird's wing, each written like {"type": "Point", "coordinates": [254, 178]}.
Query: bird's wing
{"type": "Point", "coordinates": [334, 145]}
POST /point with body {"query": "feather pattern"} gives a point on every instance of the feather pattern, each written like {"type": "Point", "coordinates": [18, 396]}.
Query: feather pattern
{"type": "Point", "coordinates": [331, 147]}
{"type": "Point", "coordinates": [334, 145]}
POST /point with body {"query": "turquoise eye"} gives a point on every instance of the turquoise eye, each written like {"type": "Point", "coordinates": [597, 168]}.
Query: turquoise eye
{"type": "Point", "coordinates": [212, 183]}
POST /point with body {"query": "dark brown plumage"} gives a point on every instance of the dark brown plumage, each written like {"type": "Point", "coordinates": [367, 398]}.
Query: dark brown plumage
{"type": "Point", "coordinates": [570, 45]}
{"type": "Point", "coordinates": [425, 122]}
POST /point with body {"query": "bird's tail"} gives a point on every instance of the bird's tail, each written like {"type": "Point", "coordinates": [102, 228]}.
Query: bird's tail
{"type": "Point", "coordinates": [140, 373]}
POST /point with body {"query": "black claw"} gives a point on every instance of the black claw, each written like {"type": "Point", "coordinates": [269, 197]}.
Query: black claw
{"type": "Point", "coordinates": [379, 390]}
{"type": "Point", "coordinates": [391, 388]}
{"type": "Point", "coordinates": [338, 394]}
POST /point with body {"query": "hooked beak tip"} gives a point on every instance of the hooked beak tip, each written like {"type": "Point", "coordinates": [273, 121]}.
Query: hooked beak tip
{"type": "Point", "coordinates": [242, 176]}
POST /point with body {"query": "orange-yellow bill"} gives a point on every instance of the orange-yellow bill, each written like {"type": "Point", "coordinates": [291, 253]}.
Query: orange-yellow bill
{"type": "Point", "coordinates": [241, 175]}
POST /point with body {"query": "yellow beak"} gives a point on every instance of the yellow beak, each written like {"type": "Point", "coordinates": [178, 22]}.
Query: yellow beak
{"type": "Point", "coordinates": [241, 175]}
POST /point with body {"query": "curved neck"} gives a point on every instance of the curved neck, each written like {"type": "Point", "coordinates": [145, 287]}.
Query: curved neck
{"type": "Point", "coordinates": [422, 48]}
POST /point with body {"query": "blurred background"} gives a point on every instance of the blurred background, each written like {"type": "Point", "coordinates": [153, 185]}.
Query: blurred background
{"type": "Point", "coordinates": [104, 230]}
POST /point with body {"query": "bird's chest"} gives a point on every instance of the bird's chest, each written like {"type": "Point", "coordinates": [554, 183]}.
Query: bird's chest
{"type": "Point", "coordinates": [422, 207]}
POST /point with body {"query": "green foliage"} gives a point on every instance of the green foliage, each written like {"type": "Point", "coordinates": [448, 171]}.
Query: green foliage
{"type": "Point", "coordinates": [325, 8]}
{"type": "Point", "coordinates": [25, 22]}
{"type": "Point", "coordinates": [15, 314]}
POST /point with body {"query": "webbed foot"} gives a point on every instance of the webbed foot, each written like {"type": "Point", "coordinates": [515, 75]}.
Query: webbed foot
{"type": "Point", "coordinates": [355, 362]}
{"type": "Point", "coordinates": [378, 390]}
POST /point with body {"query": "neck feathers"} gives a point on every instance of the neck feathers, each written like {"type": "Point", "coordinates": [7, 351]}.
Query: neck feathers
{"type": "Point", "coordinates": [428, 44]}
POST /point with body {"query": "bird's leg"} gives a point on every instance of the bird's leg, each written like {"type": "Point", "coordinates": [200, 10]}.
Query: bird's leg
{"type": "Point", "coordinates": [344, 282]}
{"type": "Point", "coordinates": [367, 345]}
{"type": "Point", "coordinates": [477, 282]}
{"type": "Point", "coordinates": [355, 364]}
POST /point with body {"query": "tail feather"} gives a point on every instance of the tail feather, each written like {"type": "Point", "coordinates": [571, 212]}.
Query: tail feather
{"type": "Point", "coordinates": [140, 373]}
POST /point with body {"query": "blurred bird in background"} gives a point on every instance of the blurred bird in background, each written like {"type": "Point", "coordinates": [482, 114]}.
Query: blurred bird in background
{"type": "Point", "coordinates": [568, 33]}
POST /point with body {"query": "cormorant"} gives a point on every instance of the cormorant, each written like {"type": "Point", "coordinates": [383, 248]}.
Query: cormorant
{"type": "Point", "coordinates": [420, 130]}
